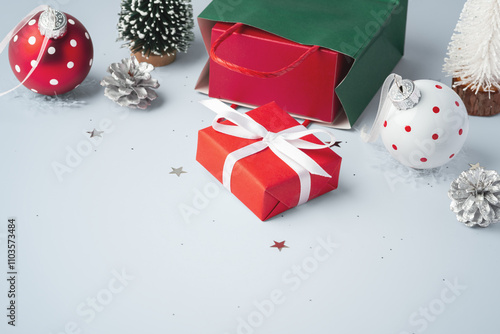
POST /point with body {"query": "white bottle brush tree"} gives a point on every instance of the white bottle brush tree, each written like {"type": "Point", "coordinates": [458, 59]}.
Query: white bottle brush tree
{"type": "Point", "coordinates": [474, 52]}
{"type": "Point", "coordinates": [156, 27]}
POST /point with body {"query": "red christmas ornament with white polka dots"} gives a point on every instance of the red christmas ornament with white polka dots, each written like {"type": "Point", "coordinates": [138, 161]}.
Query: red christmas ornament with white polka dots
{"type": "Point", "coordinates": [53, 50]}
{"type": "Point", "coordinates": [423, 123]}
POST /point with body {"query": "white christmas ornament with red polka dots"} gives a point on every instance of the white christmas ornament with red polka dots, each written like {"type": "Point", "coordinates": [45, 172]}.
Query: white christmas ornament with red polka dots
{"type": "Point", "coordinates": [51, 53]}
{"type": "Point", "coordinates": [423, 124]}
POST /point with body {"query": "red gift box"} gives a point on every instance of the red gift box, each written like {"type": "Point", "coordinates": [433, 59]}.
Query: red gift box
{"type": "Point", "coordinates": [252, 67]}
{"type": "Point", "coordinates": [264, 182]}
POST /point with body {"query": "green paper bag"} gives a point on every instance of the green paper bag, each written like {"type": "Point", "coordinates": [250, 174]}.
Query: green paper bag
{"type": "Point", "coordinates": [371, 32]}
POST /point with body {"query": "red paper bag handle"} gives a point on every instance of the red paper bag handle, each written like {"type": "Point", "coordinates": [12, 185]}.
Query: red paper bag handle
{"type": "Point", "coordinates": [250, 72]}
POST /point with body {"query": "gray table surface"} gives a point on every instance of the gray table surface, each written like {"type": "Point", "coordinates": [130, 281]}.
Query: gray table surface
{"type": "Point", "coordinates": [106, 250]}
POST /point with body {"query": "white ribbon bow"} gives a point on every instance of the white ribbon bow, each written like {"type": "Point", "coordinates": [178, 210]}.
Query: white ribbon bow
{"type": "Point", "coordinates": [285, 144]}
{"type": "Point", "coordinates": [14, 32]}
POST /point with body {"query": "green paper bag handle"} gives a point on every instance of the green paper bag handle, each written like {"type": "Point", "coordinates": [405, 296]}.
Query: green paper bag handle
{"type": "Point", "coordinates": [250, 72]}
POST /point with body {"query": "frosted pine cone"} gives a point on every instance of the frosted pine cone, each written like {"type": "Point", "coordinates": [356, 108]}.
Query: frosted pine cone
{"type": "Point", "coordinates": [130, 83]}
{"type": "Point", "coordinates": [475, 197]}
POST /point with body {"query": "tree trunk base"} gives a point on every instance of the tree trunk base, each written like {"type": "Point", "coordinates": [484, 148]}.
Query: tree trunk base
{"type": "Point", "coordinates": [480, 104]}
{"type": "Point", "coordinates": [156, 61]}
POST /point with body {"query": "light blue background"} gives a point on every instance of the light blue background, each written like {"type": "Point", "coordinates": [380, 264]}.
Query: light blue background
{"type": "Point", "coordinates": [112, 231]}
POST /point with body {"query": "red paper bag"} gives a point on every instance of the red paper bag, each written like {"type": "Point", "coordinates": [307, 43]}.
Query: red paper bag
{"type": "Point", "coordinates": [254, 67]}
{"type": "Point", "coordinates": [264, 182]}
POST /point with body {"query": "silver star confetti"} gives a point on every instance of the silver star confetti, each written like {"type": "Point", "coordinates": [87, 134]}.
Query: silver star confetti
{"type": "Point", "coordinates": [474, 166]}
{"type": "Point", "coordinates": [177, 171]}
{"type": "Point", "coordinates": [95, 133]}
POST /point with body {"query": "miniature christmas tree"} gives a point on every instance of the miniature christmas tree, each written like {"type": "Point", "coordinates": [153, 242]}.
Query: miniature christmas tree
{"type": "Point", "coordinates": [155, 30]}
{"type": "Point", "coordinates": [473, 57]}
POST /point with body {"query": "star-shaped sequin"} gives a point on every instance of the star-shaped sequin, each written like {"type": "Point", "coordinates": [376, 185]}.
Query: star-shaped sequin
{"type": "Point", "coordinates": [474, 166]}
{"type": "Point", "coordinates": [279, 245]}
{"type": "Point", "coordinates": [177, 171]}
{"type": "Point", "coordinates": [95, 133]}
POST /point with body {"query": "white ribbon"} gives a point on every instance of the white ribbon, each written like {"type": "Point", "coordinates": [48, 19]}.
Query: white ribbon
{"type": "Point", "coordinates": [14, 32]}
{"type": "Point", "coordinates": [383, 109]}
{"type": "Point", "coordinates": [286, 144]}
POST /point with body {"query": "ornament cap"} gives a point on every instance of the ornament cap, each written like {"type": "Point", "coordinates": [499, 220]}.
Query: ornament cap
{"type": "Point", "coordinates": [404, 94]}
{"type": "Point", "coordinates": [52, 23]}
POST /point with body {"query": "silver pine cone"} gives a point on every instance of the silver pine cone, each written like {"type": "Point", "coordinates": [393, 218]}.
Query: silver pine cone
{"type": "Point", "coordinates": [130, 83]}
{"type": "Point", "coordinates": [475, 197]}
